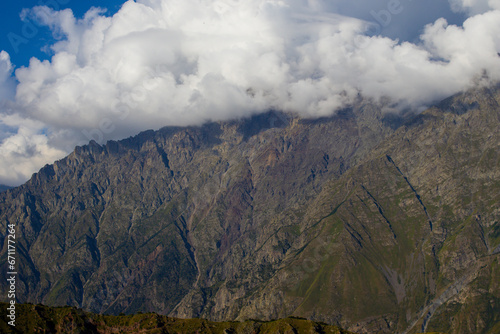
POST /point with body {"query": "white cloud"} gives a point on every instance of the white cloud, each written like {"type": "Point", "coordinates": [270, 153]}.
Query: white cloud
{"type": "Point", "coordinates": [474, 6]}
{"type": "Point", "coordinates": [24, 151]}
{"type": "Point", "coordinates": [173, 62]}
{"type": "Point", "coordinates": [7, 83]}
{"type": "Point", "coordinates": [401, 19]}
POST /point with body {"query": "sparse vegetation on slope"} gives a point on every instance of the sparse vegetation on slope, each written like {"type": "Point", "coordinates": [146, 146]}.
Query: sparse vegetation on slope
{"type": "Point", "coordinates": [69, 320]}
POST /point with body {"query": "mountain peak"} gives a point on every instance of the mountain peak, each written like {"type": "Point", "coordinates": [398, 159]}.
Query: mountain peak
{"type": "Point", "coordinates": [374, 224]}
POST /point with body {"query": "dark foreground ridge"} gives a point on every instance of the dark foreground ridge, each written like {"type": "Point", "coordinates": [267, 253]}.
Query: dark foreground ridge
{"type": "Point", "coordinates": [70, 320]}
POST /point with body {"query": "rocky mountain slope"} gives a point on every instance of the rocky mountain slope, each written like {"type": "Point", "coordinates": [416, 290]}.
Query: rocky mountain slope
{"type": "Point", "coordinates": [370, 221]}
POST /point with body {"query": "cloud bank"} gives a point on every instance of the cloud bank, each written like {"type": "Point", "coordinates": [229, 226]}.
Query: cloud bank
{"type": "Point", "coordinates": [173, 62]}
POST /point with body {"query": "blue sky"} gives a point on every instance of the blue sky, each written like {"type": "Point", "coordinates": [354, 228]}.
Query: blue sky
{"type": "Point", "coordinates": [22, 42]}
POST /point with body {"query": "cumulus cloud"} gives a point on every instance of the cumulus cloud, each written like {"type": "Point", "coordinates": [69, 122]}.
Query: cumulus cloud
{"type": "Point", "coordinates": [474, 6]}
{"type": "Point", "coordinates": [7, 83]}
{"type": "Point", "coordinates": [397, 19]}
{"type": "Point", "coordinates": [25, 150]}
{"type": "Point", "coordinates": [173, 62]}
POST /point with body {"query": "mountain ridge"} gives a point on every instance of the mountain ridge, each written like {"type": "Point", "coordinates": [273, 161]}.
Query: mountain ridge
{"type": "Point", "coordinates": [69, 320]}
{"type": "Point", "coordinates": [4, 188]}
{"type": "Point", "coordinates": [277, 216]}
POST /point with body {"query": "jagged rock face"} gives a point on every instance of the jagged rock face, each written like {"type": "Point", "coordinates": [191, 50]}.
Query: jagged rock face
{"type": "Point", "coordinates": [413, 231]}
{"type": "Point", "coordinates": [352, 220]}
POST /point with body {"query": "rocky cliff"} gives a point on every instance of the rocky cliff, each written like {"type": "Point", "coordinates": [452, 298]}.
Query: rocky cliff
{"type": "Point", "coordinates": [376, 222]}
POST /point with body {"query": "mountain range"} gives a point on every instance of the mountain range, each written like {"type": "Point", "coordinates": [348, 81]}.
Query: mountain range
{"type": "Point", "coordinates": [373, 221]}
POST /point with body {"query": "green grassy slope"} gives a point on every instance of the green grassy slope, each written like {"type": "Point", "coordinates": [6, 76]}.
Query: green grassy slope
{"type": "Point", "coordinates": [68, 320]}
